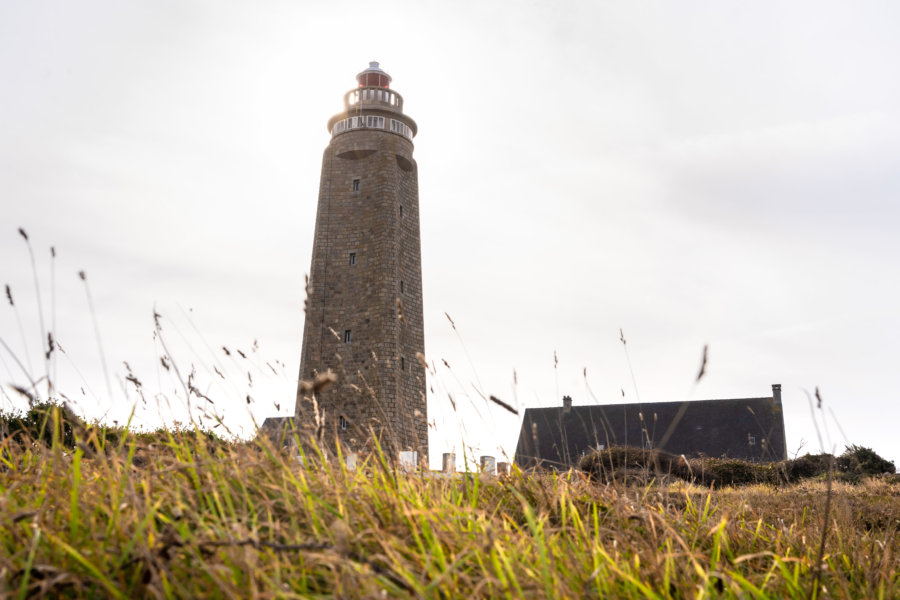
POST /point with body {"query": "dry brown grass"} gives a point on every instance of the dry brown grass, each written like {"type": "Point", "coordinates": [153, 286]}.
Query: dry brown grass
{"type": "Point", "coordinates": [184, 515]}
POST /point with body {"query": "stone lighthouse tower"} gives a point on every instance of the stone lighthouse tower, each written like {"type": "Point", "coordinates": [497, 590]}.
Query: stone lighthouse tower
{"type": "Point", "coordinates": [364, 298]}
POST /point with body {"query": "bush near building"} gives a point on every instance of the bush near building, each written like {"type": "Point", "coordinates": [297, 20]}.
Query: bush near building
{"type": "Point", "coordinates": [621, 462]}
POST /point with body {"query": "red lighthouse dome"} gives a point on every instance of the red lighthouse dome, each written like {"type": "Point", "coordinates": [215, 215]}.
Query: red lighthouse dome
{"type": "Point", "coordinates": [373, 77]}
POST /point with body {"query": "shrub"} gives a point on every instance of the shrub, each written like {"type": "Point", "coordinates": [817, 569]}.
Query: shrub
{"type": "Point", "coordinates": [614, 462]}
{"type": "Point", "coordinates": [859, 461]}
{"type": "Point", "coordinates": [805, 467]}
{"type": "Point", "coordinates": [620, 461]}
{"type": "Point", "coordinates": [732, 471]}
{"type": "Point", "coordinates": [37, 424]}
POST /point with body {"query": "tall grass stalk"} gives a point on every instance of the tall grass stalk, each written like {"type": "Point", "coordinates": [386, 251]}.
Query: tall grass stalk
{"type": "Point", "coordinates": [37, 290]}
{"type": "Point", "coordinates": [90, 300]}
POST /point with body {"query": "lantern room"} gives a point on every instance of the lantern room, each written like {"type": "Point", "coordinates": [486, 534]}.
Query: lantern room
{"type": "Point", "coordinates": [373, 105]}
{"type": "Point", "coordinates": [374, 77]}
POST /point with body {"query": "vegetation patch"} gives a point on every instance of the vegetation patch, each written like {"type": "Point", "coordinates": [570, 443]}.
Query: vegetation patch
{"type": "Point", "coordinates": [202, 517]}
{"type": "Point", "coordinates": [622, 462]}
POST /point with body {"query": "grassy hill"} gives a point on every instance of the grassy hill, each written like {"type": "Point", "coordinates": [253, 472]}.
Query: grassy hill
{"type": "Point", "coordinates": [95, 512]}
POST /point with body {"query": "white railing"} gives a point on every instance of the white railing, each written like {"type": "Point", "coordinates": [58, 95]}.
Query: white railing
{"type": "Point", "coordinates": [370, 122]}
{"type": "Point", "coordinates": [373, 96]}
{"type": "Point", "coordinates": [401, 128]}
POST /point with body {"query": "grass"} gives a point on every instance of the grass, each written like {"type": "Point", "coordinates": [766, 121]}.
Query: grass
{"type": "Point", "coordinates": [176, 514]}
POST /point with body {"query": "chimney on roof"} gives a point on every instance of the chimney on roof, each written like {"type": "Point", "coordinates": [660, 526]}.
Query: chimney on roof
{"type": "Point", "coordinates": [567, 403]}
{"type": "Point", "coordinates": [776, 394]}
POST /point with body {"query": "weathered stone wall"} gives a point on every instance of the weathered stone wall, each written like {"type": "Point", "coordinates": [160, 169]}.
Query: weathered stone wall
{"type": "Point", "coordinates": [381, 382]}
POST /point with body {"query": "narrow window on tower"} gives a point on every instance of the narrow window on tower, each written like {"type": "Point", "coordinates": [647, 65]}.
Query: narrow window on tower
{"type": "Point", "coordinates": [352, 258]}
{"type": "Point", "coordinates": [402, 363]}
{"type": "Point", "coordinates": [401, 286]}
{"type": "Point", "coordinates": [356, 185]}
{"type": "Point", "coordinates": [343, 423]}
{"type": "Point", "coordinates": [401, 210]}
{"type": "Point", "coordinates": [346, 336]}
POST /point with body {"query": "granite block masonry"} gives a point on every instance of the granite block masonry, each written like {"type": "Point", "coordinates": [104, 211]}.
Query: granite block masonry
{"type": "Point", "coordinates": [364, 316]}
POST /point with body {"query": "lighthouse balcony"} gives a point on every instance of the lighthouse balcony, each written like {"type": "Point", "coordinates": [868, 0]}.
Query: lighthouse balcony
{"type": "Point", "coordinates": [366, 96]}
{"type": "Point", "coordinates": [371, 122]}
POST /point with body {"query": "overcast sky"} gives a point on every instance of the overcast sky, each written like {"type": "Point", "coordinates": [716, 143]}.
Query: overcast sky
{"type": "Point", "coordinates": [721, 173]}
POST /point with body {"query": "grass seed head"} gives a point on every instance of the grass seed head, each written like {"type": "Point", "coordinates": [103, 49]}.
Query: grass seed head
{"type": "Point", "coordinates": [319, 384]}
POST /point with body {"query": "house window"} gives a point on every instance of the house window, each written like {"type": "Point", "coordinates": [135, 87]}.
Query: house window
{"type": "Point", "coordinates": [352, 258]}
{"type": "Point", "coordinates": [648, 445]}
{"type": "Point", "coordinates": [343, 423]}
{"type": "Point", "coordinates": [346, 336]}
{"type": "Point", "coordinates": [356, 185]}
{"type": "Point", "coordinates": [751, 439]}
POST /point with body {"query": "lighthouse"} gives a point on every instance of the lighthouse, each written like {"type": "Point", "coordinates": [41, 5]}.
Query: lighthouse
{"type": "Point", "coordinates": [364, 295]}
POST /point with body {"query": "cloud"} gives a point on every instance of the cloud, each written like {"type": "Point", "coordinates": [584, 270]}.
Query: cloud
{"type": "Point", "coordinates": [834, 172]}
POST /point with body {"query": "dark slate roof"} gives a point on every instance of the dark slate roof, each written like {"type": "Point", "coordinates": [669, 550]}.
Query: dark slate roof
{"type": "Point", "coordinates": [278, 429]}
{"type": "Point", "coordinates": [276, 423]}
{"type": "Point", "coordinates": [747, 428]}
